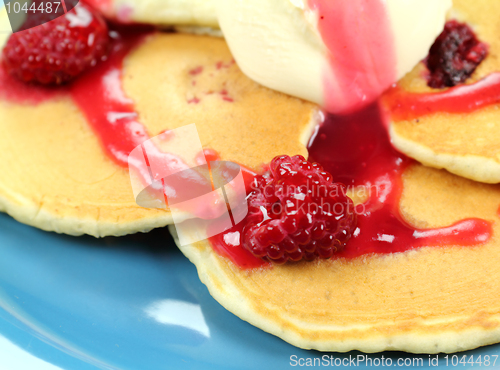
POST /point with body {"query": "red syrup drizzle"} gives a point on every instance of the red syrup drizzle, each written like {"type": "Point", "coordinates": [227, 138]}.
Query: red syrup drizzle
{"type": "Point", "coordinates": [459, 99]}
{"type": "Point", "coordinates": [111, 114]}
{"type": "Point", "coordinates": [356, 150]}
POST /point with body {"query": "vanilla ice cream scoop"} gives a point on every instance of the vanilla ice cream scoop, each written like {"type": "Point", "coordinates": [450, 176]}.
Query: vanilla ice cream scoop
{"type": "Point", "coordinates": [340, 54]}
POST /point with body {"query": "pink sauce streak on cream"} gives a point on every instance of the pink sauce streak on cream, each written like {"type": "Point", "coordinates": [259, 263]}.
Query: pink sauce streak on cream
{"type": "Point", "coordinates": [358, 35]}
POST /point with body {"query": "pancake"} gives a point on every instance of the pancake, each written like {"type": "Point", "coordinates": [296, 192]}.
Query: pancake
{"type": "Point", "coordinates": [428, 300]}
{"type": "Point", "coordinates": [467, 143]}
{"type": "Point", "coordinates": [57, 177]}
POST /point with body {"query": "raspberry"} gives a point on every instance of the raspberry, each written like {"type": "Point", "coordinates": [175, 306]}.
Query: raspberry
{"type": "Point", "coordinates": [57, 51]}
{"type": "Point", "coordinates": [296, 212]}
{"type": "Point", "coordinates": [454, 56]}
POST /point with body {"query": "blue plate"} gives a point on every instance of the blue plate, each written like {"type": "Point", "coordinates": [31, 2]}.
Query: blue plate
{"type": "Point", "coordinates": [136, 303]}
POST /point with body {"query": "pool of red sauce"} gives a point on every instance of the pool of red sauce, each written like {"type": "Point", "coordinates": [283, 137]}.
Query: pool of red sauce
{"type": "Point", "coordinates": [355, 148]}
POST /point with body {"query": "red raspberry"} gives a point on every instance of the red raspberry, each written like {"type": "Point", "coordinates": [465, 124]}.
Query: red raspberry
{"type": "Point", "coordinates": [296, 212]}
{"type": "Point", "coordinates": [454, 56]}
{"type": "Point", "coordinates": [57, 51]}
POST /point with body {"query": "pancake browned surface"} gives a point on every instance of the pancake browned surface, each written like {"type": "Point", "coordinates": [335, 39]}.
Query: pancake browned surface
{"type": "Point", "coordinates": [464, 144]}
{"type": "Point", "coordinates": [56, 176]}
{"type": "Point", "coordinates": [429, 300]}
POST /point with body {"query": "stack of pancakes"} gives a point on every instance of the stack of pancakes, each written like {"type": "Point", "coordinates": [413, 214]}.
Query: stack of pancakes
{"type": "Point", "coordinates": [56, 176]}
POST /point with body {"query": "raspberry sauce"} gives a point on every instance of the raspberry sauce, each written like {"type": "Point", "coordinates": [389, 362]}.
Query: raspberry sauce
{"type": "Point", "coordinates": [356, 150]}
{"type": "Point", "coordinates": [404, 105]}
{"type": "Point", "coordinates": [110, 113]}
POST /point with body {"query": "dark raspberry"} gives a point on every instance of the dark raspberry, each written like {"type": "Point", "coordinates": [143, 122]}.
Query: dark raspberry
{"type": "Point", "coordinates": [454, 56]}
{"type": "Point", "coordinates": [296, 212]}
{"type": "Point", "coordinates": [57, 51]}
